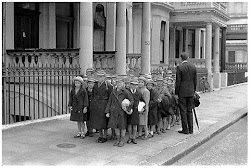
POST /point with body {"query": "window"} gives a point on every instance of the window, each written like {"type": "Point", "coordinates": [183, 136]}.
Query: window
{"type": "Point", "coordinates": [231, 56]}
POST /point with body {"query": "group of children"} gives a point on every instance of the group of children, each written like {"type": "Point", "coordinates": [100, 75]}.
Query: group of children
{"type": "Point", "coordinates": [98, 101]}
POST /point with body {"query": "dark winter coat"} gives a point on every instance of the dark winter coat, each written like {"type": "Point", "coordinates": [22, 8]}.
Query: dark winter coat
{"type": "Point", "coordinates": [153, 102]}
{"type": "Point", "coordinates": [78, 102]}
{"type": "Point", "coordinates": [133, 119]}
{"type": "Point", "coordinates": [90, 98]}
{"type": "Point", "coordinates": [98, 104]}
{"type": "Point", "coordinates": [118, 117]}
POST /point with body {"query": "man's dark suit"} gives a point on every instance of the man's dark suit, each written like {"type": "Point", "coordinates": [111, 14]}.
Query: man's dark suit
{"type": "Point", "coordinates": [185, 87]}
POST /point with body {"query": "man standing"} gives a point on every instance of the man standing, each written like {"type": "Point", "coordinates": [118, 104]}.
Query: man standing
{"type": "Point", "coordinates": [185, 86]}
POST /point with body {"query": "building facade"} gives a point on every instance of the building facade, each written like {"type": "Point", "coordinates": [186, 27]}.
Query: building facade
{"type": "Point", "coordinates": [125, 37]}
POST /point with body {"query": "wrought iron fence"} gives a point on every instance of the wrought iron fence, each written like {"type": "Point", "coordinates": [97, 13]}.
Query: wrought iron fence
{"type": "Point", "coordinates": [36, 92]}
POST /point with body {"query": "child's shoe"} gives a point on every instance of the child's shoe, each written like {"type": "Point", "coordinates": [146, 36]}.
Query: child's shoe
{"type": "Point", "coordinates": [78, 135]}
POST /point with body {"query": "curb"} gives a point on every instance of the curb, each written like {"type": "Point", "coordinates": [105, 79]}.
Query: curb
{"type": "Point", "coordinates": [171, 154]}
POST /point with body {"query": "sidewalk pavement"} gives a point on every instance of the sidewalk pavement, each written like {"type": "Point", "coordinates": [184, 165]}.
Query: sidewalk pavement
{"type": "Point", "coordinates": [52, 143]}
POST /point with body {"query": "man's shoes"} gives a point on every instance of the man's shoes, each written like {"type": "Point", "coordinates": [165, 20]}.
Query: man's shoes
{"type": "Point", "coordinates": [181, 132]}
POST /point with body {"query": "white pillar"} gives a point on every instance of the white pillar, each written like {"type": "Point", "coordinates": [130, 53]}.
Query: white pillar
{"type": "Point", "coordinates": [145, 43]}
{"type": "Point", "coordinates": [217, 75]}
{"type": "Point", "coordinates": [216, 49]}
{"type": "Point", "coordinates": [166, 43]}
{"type": "Point", "coordinates": [209, 53]}
{"type": "Point", "coordinates": [111, 26]}
{"type": "Point", "coordinates": [47, 25]}
{"type": "Point", "coordinates": [129, 34]}
{"type": "Point", "coordinates": [86, 36]}
{"type": "Point", "coordinates": [9, 25]}
{"type": "Point", "coordinates": [197, 43]}
{"type": "Point", "coordinates": [156, 31]}
{"type": "Point", "coordinates": [120, 41]}
{"type": "Point", "coordinates": [52, 25]}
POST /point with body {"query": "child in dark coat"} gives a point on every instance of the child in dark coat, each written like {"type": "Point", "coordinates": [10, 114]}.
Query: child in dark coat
{"type": "Point", "coordinates": [133, 119]}
{"type": "Point", "coordinates": [117, 113]}
{"type": "Point", "coordinates": [78, 103]}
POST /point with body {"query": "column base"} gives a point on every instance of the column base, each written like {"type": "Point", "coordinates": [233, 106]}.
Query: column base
{"type": "Point", "coordinates": [224, 77]}
{"type": "Point", "coordinates": [210, 80]}
{"type": "Point", "coordinates": [217, 80]}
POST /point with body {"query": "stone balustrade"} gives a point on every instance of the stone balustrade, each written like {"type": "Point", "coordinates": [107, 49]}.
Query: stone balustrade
{"type": "Point", "coordinates": [43, 57]}
{"type": "Point", "coordinates": [236, 66]}
{"type": "Point", "coordinates": [104, 60]}
{"type": "Point", "coordinates": [194, 5]}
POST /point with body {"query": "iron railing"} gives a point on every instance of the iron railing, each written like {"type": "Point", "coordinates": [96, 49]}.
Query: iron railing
{"type": "Point", "coordinates": [36, 92]}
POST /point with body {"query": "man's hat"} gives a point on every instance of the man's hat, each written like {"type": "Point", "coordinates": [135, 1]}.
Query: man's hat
{"type": "Point", "coordinates": [101, 73]}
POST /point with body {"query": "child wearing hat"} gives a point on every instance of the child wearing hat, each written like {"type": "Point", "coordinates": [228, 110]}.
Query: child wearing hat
{"type": "Point", "coordinates": [143, 117]}
{"type": "Point", "coordinates": [78, 103]}
{"type": "Point", "coordinates": [152, 113]}
{"type": "Point", "coordinates": [101, 92]}
{"type": "Point", "coordinates": [133, 119]}
{"type": "Point", "coordinates": [90, 85]}
{"type": "Point", "coordinates": [117, 112]}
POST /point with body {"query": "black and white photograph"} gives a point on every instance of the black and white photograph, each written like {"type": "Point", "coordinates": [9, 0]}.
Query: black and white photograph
{"type": "Point", "coordinates": [119, 83]}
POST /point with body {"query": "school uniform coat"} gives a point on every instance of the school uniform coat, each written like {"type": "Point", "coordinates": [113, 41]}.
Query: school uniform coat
{"type": "Point", "coordinates": [153, 102]}
{"type": "Point", "coordinates": [133, 119]}
{"type": "Point", "coordinates": [90, 98]}
{"type": "Point", "coordinates": [98, 104]}
{"type": "Point", "coordinates": [78, 101]}
{"type": "Point", "coordinates": [143, 117]}
{"type": "Point", "coordinates": [163, 106]}
{"type": "Point", "coordinates": [118, 117]}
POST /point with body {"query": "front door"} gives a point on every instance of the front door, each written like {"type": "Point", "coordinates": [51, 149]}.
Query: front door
{"type": "Point", "coordinates": [26, 28]}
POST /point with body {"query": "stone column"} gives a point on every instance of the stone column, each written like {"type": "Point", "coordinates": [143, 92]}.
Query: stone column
{"type": "Point", "coordinates": [145, 42]}
{"type": "Point", "coordinates": [86, 36]}
{"type": "Point", "coordinates": [209, 53]}
{"type": "Point", "coordinates": [111, 26]}
{"type": "Point", "coordinates": [197, 43]}
{"type": "Point", "coordinates": [166, 43]}
{"type": "Point", "coordinates": [52, 25]}
{"type": "Point", "coordinates": [156, 31]}
{"type": "Point", "coordinates": [129, 34]}
{"type": "Point", "coordinates": [216, 75]}
{"type": "Point", "coordinates": [120, 41]}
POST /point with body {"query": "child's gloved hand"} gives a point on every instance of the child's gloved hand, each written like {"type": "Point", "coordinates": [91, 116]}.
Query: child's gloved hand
{"type": "Point", "coordinates": [70, 108]}
{"type": "Point", "coordinates": [107, 115]}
